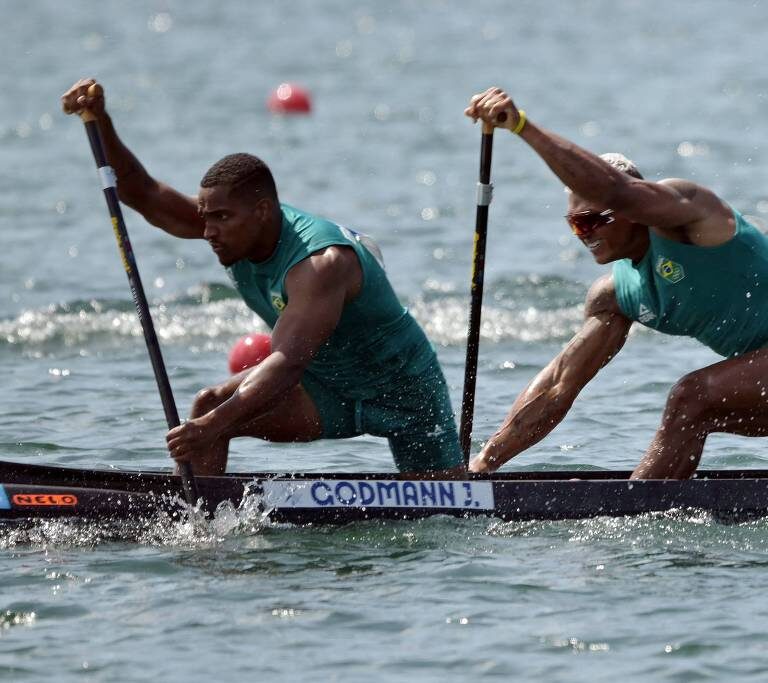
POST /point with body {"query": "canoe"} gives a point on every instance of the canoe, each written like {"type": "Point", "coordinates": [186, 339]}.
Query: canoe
{"type": "Point", "coordinates": [29, 492]}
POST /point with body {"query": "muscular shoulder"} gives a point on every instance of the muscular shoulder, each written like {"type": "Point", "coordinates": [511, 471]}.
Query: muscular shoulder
{"type": "Point", "coordinates": [335, 267]}
{"type": "Point", "coordinates": [601, 298]}
{"type": "Point", "coordinates": [689, 192]}
{"type": "Point", "coordinates": [712, 221]}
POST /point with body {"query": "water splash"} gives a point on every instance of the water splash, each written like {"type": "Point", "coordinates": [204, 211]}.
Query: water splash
{"type": "Point", "coordinates": [529, 309]}
{"type": "Point", "coordinates": [682, 530]}
{"type": "Point", "coordinates": [191, 530]}
{"type": "Point", "coordinates": [11, 618]}
{"type": "Point", "coordinates": [206, 324]}
{"type": "Point", "coordinates": [445, 322]}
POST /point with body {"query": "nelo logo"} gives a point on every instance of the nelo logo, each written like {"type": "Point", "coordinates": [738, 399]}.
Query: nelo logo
{"type": "Point", "coordinates": [43, 499]}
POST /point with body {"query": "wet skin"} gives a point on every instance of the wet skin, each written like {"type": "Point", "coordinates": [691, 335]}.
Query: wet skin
{"type": "Point", "coordinates": [237, 228]}
{"type": "Point", "coordinates": [617, 240]}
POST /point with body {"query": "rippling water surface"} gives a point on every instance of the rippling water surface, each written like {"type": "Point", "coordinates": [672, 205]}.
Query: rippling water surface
{"type": "Point", "coordinates": [680, 87]}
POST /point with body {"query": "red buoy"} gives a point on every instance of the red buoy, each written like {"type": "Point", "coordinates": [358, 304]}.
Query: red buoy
{"type": "Point", "coordinates": [248, 351]}
{"type": "Point", "coordinates": [289, 98]}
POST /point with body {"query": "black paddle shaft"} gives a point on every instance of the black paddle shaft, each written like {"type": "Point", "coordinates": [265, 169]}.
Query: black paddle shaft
{"type": "Point", "coordinates": [107, 176]}
{"type": "Point", "coordinates": [476, 301]}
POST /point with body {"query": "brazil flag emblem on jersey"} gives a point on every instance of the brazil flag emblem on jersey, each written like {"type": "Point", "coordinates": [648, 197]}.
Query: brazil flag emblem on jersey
{"type": "Point", "coordinates": [277, 302]}
{"type": "Point", "coordinates": [669, 270]}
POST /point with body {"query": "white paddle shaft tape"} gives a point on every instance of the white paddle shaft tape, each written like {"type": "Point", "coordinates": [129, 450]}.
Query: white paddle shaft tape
{"type": "Point", "coordinates": [108, 177]}
{"type": "Point", "coordinates": [484, 194]}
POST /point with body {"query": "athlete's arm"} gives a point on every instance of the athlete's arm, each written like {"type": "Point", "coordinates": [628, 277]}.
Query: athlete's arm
{"type": "Point", "coordinates": [160, 204]}
{"type": "Point", "coordinates": [317, 289]}
{"type": "Point", "coordinates": [674, 205]}
{"type": "Point", "coordinates": [545, 401]}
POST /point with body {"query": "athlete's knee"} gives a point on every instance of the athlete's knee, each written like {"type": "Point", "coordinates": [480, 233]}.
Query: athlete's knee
{"type": "Point", "coordinates": [207, 399]}
{"type": "Point", "coordinates": [690, 403]}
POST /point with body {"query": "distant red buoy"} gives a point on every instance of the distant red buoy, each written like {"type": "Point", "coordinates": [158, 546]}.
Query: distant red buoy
{"type": "Point", "coordinates": [289, 98]}
{"type": "Point", "coordinates": [248, 351]}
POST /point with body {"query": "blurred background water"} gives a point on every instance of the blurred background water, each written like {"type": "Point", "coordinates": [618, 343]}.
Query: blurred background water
{"type": "Point", "coordinates": [681, 88]}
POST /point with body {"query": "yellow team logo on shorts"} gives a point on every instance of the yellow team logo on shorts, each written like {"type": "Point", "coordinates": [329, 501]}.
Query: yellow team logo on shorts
{"type": "Point", "coordinates": [277, 302]}
{"type": "Point", "coordinates": [669, 270]}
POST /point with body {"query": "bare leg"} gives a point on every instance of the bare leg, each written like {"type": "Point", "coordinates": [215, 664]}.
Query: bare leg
{"type": "Point", "coordinates": [295, 418]}
{"type": "Point", "coordinates": [730, 396]}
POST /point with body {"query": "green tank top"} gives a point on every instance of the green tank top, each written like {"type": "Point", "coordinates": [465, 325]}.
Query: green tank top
{"type": "Point", "coordinates": [376, 344]}
{"type": "Point", "coordinates": [718, 295]}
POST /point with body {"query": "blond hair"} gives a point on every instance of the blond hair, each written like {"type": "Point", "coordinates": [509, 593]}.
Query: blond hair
{"type": "Point", "coordinates": [621, 162]}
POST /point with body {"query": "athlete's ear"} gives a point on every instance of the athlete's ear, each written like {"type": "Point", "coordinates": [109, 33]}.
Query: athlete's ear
{"type": "Point", "coordinates": [263, 209]}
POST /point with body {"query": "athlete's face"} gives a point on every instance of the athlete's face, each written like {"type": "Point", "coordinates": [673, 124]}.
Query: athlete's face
{"type": "Point", "coordinates": [236, 228]}
{"type": "Point", "coordinates": [606, 234]}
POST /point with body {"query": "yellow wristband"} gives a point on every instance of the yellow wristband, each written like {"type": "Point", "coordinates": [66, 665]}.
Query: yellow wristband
{"type": "Point", "coordinates": [520, 122]}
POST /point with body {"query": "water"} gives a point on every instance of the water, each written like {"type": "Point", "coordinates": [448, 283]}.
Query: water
{"type": "Point", "coordinates": [680, 87]}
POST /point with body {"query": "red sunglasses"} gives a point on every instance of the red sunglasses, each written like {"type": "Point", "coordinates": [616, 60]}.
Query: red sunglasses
{"type": "Point", "coordinates": [584, 223]}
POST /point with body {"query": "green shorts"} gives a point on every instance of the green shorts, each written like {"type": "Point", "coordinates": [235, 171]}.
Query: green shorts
{"type": "Point", "coordinates": [415, 416]}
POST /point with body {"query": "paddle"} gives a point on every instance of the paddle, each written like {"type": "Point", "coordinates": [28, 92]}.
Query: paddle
{"type": "Point", "coordinates": [484, 194]}
{"type": "Point", "coordinates": [108, 183]}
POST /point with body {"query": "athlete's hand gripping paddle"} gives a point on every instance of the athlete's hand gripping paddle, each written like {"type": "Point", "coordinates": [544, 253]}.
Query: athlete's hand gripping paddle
{"type": "Point", "coordinates": [108, 183]}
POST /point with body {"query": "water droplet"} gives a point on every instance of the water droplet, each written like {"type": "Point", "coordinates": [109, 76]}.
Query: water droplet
{"type": "Point", "coordinates": [427, 178]}
{"type": "Point", "coordinates": [591, 129]}
{"type": "Point", "coordinates": [160, 23]}
{"type": "Point", "coordinates": [92, 42]}
{"type": "Point", "coordinates": [343, 49]}
{"type": "Point", "coordinates": [381, 112]}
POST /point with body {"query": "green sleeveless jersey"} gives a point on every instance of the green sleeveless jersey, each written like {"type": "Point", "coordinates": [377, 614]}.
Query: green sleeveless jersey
{"type": "Point", "coordinates": [376, 343]}
{"type": "Point", "coordinates": [718, 295]}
